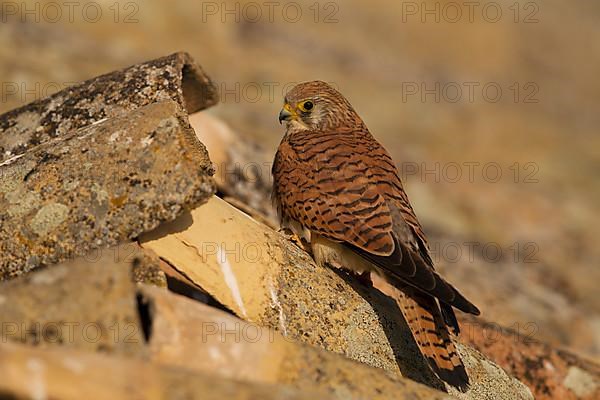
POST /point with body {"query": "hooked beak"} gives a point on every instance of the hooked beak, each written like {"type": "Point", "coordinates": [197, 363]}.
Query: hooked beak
{"type": "Point", "coordinates": [285, 114]}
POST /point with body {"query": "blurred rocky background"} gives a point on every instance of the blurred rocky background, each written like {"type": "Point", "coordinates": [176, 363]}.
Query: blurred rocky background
{"type": "Point", "coordinates": [489, 109]}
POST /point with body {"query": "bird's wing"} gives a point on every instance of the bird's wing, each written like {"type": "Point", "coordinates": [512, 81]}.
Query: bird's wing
{"type": "Point", "coordinates": [345, 187]}
{"type": "Point", "coordinates": [324, 182]}
{"type": "Point", "coordinates": [410, 261]}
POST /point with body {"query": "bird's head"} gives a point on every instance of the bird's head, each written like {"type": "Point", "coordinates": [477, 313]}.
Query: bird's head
{"type": "Point", "coordinates": [316, 106]}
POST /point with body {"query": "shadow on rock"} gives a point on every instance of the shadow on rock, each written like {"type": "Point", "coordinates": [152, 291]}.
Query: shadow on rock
{"type": "Point", "coordinates": [410, 362]}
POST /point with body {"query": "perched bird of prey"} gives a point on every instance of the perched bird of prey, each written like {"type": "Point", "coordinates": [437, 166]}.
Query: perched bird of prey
{"type": "Point", "coordinates": [336, 183]}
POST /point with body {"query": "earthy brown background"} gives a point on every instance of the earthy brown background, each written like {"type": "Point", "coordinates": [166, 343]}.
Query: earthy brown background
{"type": "Point", "coordinates": [542, 212]}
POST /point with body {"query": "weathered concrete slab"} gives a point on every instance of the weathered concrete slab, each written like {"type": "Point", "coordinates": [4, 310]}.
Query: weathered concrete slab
{"type": "Point", "coordinates": [175, 77]}
{"type": "Point", "coordinates": [264, 279]}
{"type": "Point", "coordinates": [98, 186]}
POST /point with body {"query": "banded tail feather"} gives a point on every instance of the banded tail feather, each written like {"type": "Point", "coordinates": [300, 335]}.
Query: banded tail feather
{"type": "Point", "coordinates": [428, 327]}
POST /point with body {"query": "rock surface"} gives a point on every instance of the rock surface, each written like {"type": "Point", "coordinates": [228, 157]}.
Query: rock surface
{"type": "Point", "coordinates": [99, 185]}
{"type": "Point", "coordinates": [175, 77]}
{"type": "Point", "coordinates": [91, 304]}
{"type": "Point", "coordinates": [88, 304]}
{"type": "Point", "coordinates": [548, 372]}
{"type": "Point", "coordinates": [265, 279]}
{"type": "Point", "coordinates": [30, 373]}
{"type": "Point", "coordinates": [191, 335]}
{"type": "Point", "coordinates": [242, 167]}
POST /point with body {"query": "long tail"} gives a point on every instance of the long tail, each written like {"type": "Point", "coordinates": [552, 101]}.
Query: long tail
{"type": "Point", "coordinates": [431, 333]}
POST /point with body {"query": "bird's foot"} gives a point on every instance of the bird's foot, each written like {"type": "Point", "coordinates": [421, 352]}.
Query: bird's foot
{"type": "Point", "coordinates": [365, 278]}
{"type": "Point", "coordinates": [294, 238]}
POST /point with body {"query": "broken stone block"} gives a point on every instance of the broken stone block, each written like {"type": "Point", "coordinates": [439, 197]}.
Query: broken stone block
{"type": "Point", "coordinates": [99, 186]}
{"type": "Point", "coordinates": [176, 77]}
{"type": "Point", "coordinates": [88, 303]}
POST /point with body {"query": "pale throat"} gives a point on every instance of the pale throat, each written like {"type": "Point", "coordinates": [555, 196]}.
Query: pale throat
{"type": "Point", "coordinates": [296, 125]}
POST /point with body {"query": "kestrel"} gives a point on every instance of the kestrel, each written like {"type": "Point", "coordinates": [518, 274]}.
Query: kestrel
{"type": "Point", "coordinates": [334, 183]}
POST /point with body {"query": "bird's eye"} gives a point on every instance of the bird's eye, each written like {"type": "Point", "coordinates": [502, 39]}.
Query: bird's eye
{"type": "Point", "coordinates": [307, 106]}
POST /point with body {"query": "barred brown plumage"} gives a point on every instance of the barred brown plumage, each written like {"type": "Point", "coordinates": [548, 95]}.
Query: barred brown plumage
{"type": "Point", "coordinates": [332, 178]}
